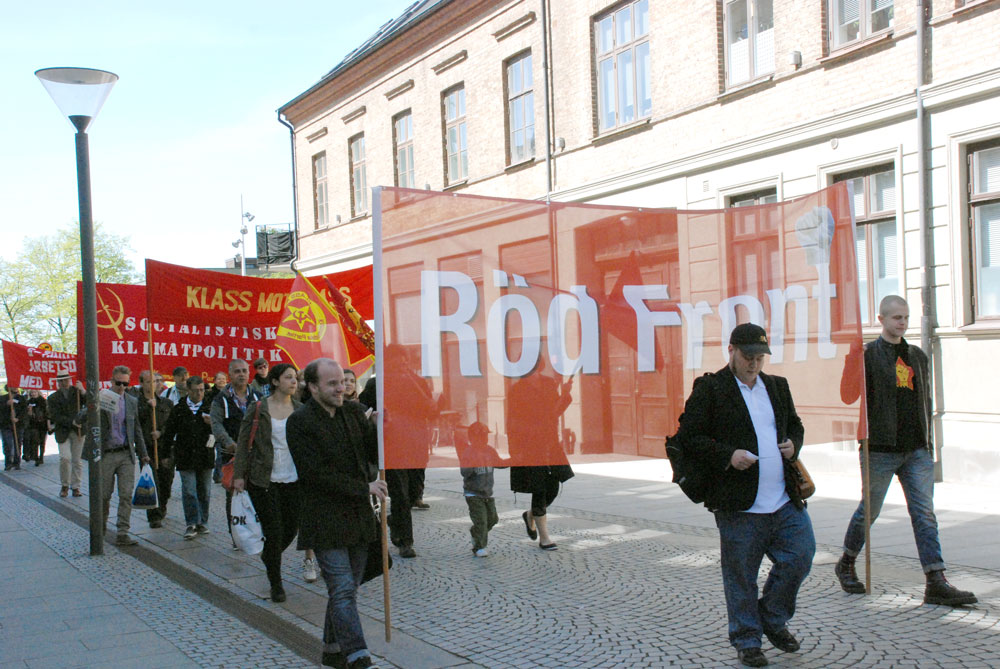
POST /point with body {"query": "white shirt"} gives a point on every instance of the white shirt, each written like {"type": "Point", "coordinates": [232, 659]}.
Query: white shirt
{"type": "Point", "coordinates": [283, 468]}
{"type": "Point", "coordinates": [771, 494]}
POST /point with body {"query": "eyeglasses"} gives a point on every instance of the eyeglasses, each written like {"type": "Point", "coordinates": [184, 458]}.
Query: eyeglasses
{"type": "Point", "coordinates": [124, 384]}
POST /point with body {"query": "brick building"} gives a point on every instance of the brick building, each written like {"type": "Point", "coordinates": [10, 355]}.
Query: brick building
{"type": "Point", "coordinates": [671, 103]}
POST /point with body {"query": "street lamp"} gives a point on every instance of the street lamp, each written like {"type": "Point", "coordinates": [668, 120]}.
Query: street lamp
{"type": "Point", "coordinates": [243, 236]}
{"type": "Point", "coordinates": [79, 93]}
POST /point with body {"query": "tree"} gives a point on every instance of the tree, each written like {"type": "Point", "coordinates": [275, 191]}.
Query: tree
{"type": "Point", "coordinates": [43, 297]}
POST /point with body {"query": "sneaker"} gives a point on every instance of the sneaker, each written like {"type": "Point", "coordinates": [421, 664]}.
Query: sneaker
{"type": "Point", "coordinates": [421, 504]}
{"type": "Point", "coordinates": [125, 539]}
{"type": "Point", "coordinates": [364, 662]}
{"type": "Point", "coordinates": [481, 552]}
{"type": "Point", "coordinates": [848, 576]}
{"type": "Point", "coordinates": [405, 551]}
{"type": "Point", "coordinates": [77, 493]}
{"type": "Point", "coordinates": [201, 529]}
{"type": "Point", "coordinates": [190, 532]}
{"type": "Point", "coordinates": [309, 570]}
{"type": "Point", "coordinates": [752, 657]}
{"type": "Point", "coordinates": [783, 640]}
{"type": "Point", "coordinates": [64, 491]}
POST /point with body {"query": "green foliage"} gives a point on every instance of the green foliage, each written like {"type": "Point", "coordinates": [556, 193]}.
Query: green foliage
{"type": "Point", "coordinates": [38, 291]}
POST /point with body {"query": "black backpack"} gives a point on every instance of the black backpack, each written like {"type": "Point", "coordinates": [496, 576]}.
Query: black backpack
{"type": "Point", "coordinates": [688, 472]}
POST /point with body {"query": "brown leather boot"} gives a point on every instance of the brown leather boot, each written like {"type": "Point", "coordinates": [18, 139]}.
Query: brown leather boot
{"type": "Point", "coordinates": [848, 576]}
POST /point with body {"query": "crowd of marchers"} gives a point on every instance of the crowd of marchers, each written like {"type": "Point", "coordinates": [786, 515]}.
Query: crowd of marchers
{"type": "Point", "coordinates": [302, 445]}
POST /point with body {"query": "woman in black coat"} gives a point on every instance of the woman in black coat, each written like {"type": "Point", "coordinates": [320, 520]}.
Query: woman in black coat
{"type": "Point", "coordinates": [534, 405]}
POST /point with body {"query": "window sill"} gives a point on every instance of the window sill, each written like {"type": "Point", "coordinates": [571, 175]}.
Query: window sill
{"type": "Point", "coordinates": [457, 184]}
{"type": "Point", "coordinates": [751, 85]}
{"type": "Point", "coordinates": [852, 48]}
{"type": "Point", "coordinates": [957, 12]}
{"type": "Point", "coordinates": [357, 217]}
{"type": "Point", "coordinates": [989, 327]}
{"type": "Point", "coordinates": [514, 167]}
{"type": "Point", "coordinates": [621, 131]}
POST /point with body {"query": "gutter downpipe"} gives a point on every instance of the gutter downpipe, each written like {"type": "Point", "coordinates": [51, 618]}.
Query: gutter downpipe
{"type": "Point", "coordinates": [545, 84]}
{"type": "Point", "coordinates": [295, 189]}
{"type": "Point", "coordinates": [928, 316]}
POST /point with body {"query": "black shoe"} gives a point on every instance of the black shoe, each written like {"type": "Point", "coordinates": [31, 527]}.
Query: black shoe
{"type": "Point", "coordinates": [753, 657]}
{"type": "Point", "coordinates": [532, 534]}
{"type": "Point", "coordinates": [334, 660]}
{"type": "Point", "coordinates": [406, 551]}
{"type": "Point", "coordinates": [940, 591]}
{"type": "Point", "coordinates": [363, 663]}
{"type": "Point", "coordinates": [421, 504]}
{"type": "Point", "coordinates": [278, 593]}
{"type": "Point", "coordinates": [155, 524]}
{"type": "Point", "coordinates": [783, 640]}
{"type": "Point", "coordinates": [848, 576]}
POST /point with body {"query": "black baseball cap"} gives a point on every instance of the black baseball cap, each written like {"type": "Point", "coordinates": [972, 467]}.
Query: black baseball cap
{"type": "Point", "coordinates": [750, 339]}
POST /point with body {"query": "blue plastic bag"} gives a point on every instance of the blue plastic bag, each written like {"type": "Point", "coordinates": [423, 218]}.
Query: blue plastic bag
{"type": "Point", "coordinates": [145, 496]}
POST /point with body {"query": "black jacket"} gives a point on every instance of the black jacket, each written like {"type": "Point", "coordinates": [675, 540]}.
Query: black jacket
{"type": "Point", "coordinates": [188, 434]}
{"type": "Point", "coordinates": [20, 407]}
{"type": "Point", "coordinates": [880, 388]}
{"type": "Point", "coordinates": [716, 423]}
{"type": "Point", "coordinates": [63, 408]}
{"type": "Point", "coordinates": [331, 455]}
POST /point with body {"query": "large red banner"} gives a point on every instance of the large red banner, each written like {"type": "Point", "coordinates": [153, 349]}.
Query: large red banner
{"type": "Point", "coordinates": [34, 368]}
{"type": "Point", "coordinates": [178, 294]}
{"type": "Point", "coordinates": [122, 337]}
{"type": "Point", "coordinates": [575, 331]}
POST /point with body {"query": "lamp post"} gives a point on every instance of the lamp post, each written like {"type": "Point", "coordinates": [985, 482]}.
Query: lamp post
{"type": "Point", "coordinates": [79, 93]}
{"type": "Point", "coordinates": [243, 237]}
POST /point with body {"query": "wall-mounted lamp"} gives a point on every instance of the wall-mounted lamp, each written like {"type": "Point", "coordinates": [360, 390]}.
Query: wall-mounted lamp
{"type": "Point", "coordinates": [795, 59]}
{"type": "Point", "coordinates": [560, 143]}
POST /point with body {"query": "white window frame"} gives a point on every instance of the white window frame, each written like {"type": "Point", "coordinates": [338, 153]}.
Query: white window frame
{"type": "Point", "coordinates": [520, 97]}
{"type": "Point", "coordinates": [867, 11]}
{"type": "Point", "coordinates": [980, 200]}
{"type": "Point", "coordinates": [321, 192]}
{"type": "Point", "coordinates": [631, 41]}
{"type": "Point", "coordinates": [456, 145]}
{"type": "Point", "coordinates": [358, 175]}
{"type": "Point", "coordinates": [402, 139]}
{"type": "Point", "coordinates": [758, 44]}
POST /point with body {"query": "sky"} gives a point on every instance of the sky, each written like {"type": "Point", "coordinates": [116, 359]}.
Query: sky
{"type": "Point", "coordinates": [190, 127]}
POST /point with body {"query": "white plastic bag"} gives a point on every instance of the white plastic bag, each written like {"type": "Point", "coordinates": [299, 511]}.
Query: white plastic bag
{"type": "Point", "coordinates": [247, 532]}
{"type": "Point", "coordinates": [144, 496]}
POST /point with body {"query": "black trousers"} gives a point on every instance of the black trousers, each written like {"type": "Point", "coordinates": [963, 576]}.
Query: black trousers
{"type": "Point", "coordinates": [164, 482]}
{"type": "Point", "coordinates": [277, 508]}
{"type": "Point", "coordinates": [540, 500]}
{"type": "Point", "coordinates": [405, 487]}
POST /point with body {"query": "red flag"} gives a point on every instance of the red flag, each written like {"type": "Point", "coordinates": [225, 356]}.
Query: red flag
{"type": "Point", "coordinates": [352, 322]}
{"type": "Point", "coordinates": [310, 328]}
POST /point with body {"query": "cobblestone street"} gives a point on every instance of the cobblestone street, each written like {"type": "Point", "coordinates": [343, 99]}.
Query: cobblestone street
{"type": "Point", "coordinates": [621, 590]}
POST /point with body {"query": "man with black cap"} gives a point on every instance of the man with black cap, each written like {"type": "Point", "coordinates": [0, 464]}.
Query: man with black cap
{"type": "Point", "coordinates": [740, 424]}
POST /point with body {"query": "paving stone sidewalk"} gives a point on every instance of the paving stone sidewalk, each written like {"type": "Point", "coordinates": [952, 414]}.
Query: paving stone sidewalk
{"type": "Point", "coordinates": [635, 582]}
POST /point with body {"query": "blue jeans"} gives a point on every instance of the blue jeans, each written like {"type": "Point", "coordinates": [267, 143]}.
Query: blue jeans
{"type": "Point", "coordinates": [195, 490]}
{"type": "Point", "coordinates": [342, 569]}
{"type": "Point", "coordinates": [916, 475]}
{"type": "Point", "coordinates": [786, 537]}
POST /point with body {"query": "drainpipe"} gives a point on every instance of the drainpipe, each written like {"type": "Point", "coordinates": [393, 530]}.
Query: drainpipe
{"type": "Point", "coordinates": [545, 87]}
{"type": "Point", "coordinates": [928, 320]}
{"type": "Point", "coordinates": [295, 193]}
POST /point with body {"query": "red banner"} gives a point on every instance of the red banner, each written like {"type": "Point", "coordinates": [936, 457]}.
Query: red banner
{"type": "Point", "coordinates": [32, 368]}
{"type": "Point", "coordinates": [178, 294]}
{"type": "Point", "coordinates": [575, 331]}
{"type": "Point", "coordinates": [204, 350]}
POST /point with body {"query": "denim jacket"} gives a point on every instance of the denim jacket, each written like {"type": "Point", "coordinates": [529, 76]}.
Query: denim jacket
{"type": "Point", "coordinates": [880, 385]}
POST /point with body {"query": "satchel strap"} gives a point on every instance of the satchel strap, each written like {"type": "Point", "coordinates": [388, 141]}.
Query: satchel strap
{"type": "Point", "coordinates": [253, 428]}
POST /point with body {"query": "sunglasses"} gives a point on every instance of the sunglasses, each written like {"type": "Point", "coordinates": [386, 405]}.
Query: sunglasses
{"type": "Point", "coordinates": [121, 383]}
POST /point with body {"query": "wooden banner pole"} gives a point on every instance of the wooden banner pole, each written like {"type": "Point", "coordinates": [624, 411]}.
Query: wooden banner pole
{"type": "Point", "coordinates": [152, 386]}
{"type": "Point", "coordinates": [386, 599]}
{"type": "Point", "coordinates": [866, 497]}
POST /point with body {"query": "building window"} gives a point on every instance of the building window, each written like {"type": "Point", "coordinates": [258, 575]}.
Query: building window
{"type": "Point", "coordinates": [359, 182]}
{"type": "Point", "coordinates": [984, 218]}
{"type": "Point", "coordinates": [876, 242]}
{"type": "Point", "coordinates": [852, 20]}
{"type": "Point", "coordinates": [520, 108]}
{"type": "Point", "coordinates": [320, 193]}
{"type": "Point", "coordinates": [621, 43]}
{"type": "Point", "coordinates": [749, 40]}
{"type": "Point", "coordinates": [753, 243]}
{"type": "Point", "coordinates": [402, 134]}
{"type": "Point", "coordinates": [455, 143]}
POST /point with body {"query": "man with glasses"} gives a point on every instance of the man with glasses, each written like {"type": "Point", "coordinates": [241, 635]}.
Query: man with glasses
{"type": "Point", "coordinates": [121, 444]}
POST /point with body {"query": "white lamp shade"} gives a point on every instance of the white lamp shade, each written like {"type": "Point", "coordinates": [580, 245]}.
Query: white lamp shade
{"type": "Point", "coordinates": [78, 91]}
